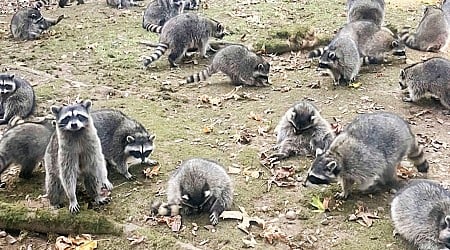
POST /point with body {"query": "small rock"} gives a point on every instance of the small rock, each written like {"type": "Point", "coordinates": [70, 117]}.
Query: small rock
{"type": "Point", "coordinates": [291, 215]}
{"type": "Point", "coordinates": [11, 240]}
{"type": "Point", "coordinates": [3, 234]}
{"type": "Point", "coordinates": [325, 222]}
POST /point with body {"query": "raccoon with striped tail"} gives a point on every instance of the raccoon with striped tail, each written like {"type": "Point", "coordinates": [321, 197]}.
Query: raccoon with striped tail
{"type": "Point", "coordinates": [17, 98]}
{"type": "Point", "coordinates": [301, 131]}
{"type": "Point", "coordinates": [184, 32]}
{"type": "Point", "coordinates": [197, 185]}
{"type": "Point", "coordinates": [158, 12]}
{"type": "Point", "coordinates": [24, 144]}
{"type": "Point", "coordinates": [432, 34]}
{"type": "Point", "coordinates": [421, 215]}
{"type": "Point", "coordinates": [243, 66]}
{"type": "Point", "coordinates": [29, 24]}
{"type": "Point", "coordinates": [431, 76]}
{"type": "Point", "coordinates": [367, 152]}
{"type": "Point", "coordinates": [125, 142]}
{"type": "Point", "coordinates": [75, 151]}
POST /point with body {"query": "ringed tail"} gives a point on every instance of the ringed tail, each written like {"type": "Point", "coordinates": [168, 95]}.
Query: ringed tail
{"type": "Point", "coordinates": [159, 51]}
{"type": "Point", "coordinates": [150, 27]}
{"type": "Point", "coordinates": [408, 38]}
{"type": "Point", "coordinates": [41, 3]}
{"type": "Point", "coordinates": [317, 52]}
{"type": "Point", "coordinates": [201, 76]}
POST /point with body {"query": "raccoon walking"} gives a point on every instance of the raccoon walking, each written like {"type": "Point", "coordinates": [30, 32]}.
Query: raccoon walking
{"type": "Point", "coordinates": [302, 130]}
{"type": "Point", "coordinates": [198, 185]}
{"type": "Point", "coordinates": [28, 23]}
{"type": "Point", "coordinates": [159, 11]}
{"type": "Point", "coordinates": [431, 76]}
{"type": "Point", "coordinates": [367, 10]}
{"type": "Point", "coordinates": [240, 64]}
{"type": "Point", "coordinates": [24, 144]}
{"type": "Point", "coordinates": [421, 215]}
{"type": "Point", "coordinates": [17, 98]}
{"type": "Point", "coordinates": [125, 142]}
{"type": "Point", "coordinates": [183, 32]}
{"type": "Point", "coordinates": [367, 152]}
{"type": "Point", "coordinates": [121, 4]}
{"type": "Point", "coordinates": [74, 150]}
{"type": "Point", "coordinates": [63, 3]}
{"type": "Point", "coordinates": [432, 33]}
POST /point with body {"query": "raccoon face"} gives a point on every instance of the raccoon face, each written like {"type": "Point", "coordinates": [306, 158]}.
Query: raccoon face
{"type": "Point", "coordinates": [138, 148]}
{"type": "Point", "coordinates": [219, 30]}
{"type": "Point", "coordinates": [7, 84]}
{"type": "Point", "coordinates": [324, 170]}
{"type": "Point", "coordinates": [301, 119]}
{"type": "Point", "coordinates": [402, 80]}
{"type": "Point", "coordinates": [398, 48]}
{"type": "Point", "coordinates": [196, 201]}
{"type": "Point", "coordinates": [74, 117]}
{"type": "Point", "coordinates": [261, 72]}
{"type": "Point", "coordinates": [37, 23]}
{"type": "Point", "coordinates": [444, 232]}
{"type": "Point", "coordinates": [191, 5]}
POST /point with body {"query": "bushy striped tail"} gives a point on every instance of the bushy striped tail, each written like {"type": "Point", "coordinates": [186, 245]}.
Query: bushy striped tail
{"type": "Point", "coordinates": [159, 51]}
{"type": "Point", "coordinates": [408, 38]}
{"type": "Point", "coordinates": [39, 4]}
{"type": "Point", "coordinates": [202, 75]}
{"type": "Point", "coordinates": [150, 27]}
{"type": "Point", "coordinates": [317, 52]}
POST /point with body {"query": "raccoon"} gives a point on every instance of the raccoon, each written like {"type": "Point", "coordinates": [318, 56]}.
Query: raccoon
{"type": "Point", "coordinates": [17, 98]}
{"type": "Point", "coordinates": [121, 4]}
{"type": "Point", "coordinates": [191, 5]}
{"type": "Point", "coordinates": [63, 3]}
{"type": "Point", "coordinates": [432, 33]}
{"type": "Point", "coordinates": [341, 60]}
{"type": "Point", "coordinates": [239, 63]}
{"type": "Point", "coordinates": [445, 6]}
{"type": "Point", "coordinates": [28, 23]}
{"type": "Point", "coordinates": [367, 152]}
{"type": "Point", "coordinates": [24, 144]}
{"type": "Point", "coordinates": [368, 10]}
{"type": "Point", "coordinates": [124, 140]}
{"type": "Point", "coordinates": [430, 76]}
{"type": "Point", "coordinates": [159, 11]}
{"type": "Point", "coordinates": [183, 32]}
{"type": "Point", "coordinates": [302, 130]}
{"type": "Point", "coordinates": [198, 185]}
{"type": "Point", "coordinates": [421, 215]}
{"type": "Point", "coordinates": [74, 150]}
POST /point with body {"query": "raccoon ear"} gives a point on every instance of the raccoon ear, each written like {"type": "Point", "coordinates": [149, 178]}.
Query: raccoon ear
{"type": "Point", "coordinates": [260, 67]}
{"type": "Point", "coordinates": [55, 109]}
{"type": "Point", "coordinates": [319, 151]}
{"type": "Point", "coordinates": [87, 104]}
{"type": "Point", "coordinates": [130, 139]}
{"type": "Point", "coordinates": [207, 193]}
{"type": "Point", "coordinates": [185, 197]}
{"type": "Point", "coordinates": [219, 26]}
{"type": "Point", "coordinates": [332, 55]}
{"type": "Point", "coordinates": [151, 138]}
{"type": "Point", "coordinates": [394, 44]}
{"type": "Point", "coordinates": [447, 220]}
{"type": "Point", "coordinates": [332, 166]}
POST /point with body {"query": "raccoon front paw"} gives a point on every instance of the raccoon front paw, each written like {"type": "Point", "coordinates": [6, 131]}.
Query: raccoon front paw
{"type": "Point", "coordinates": [214, 218]}
{"type": "Point", "coordinates": [108, 185]}
{"type": "Point", "coordinates": [129, 176]}
{"type": "Point", "coordinates": [102, 200]}
{"type": "Point", "coordinates": [341, 196]}
{"type": "Point", "coordinates": [74, 208]}
{"type": "Point", "coordinates": [407, 99]}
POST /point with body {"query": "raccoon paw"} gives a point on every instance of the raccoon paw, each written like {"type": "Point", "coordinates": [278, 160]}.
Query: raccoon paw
{"type": "Point", "coordinates": [407, 99]}
{"type": "Point", "coordinates": [341, 196]}
{"type": "Point", "coordinates": [108, 185]}
{"type": "Point", "coordinates": [129, 176]}
{"type": "Point", "coordinates": [74, 208]}
{"type": "Point", "coordinates": [214, 218]}
{"type": "Point", "coordinates": [102, 200]}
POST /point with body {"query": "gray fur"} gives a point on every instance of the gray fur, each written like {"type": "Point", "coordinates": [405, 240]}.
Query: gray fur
{"type": "Point", "coordinates": [432, 34]}
{"type": "Point", "coordinates": [421, 215]}
{"type": "Point", "coordinates": [367, 153]}
{"type": "Point", "coordinates": [243, 66]}
{"type": "Point", "coordinates": [24, 144]}
{"type": "Point", "coordinates": [445, 6]}
{"type": "Point", "coordinates": [431, 76]}
{"type": "Point", "coordinates": [365, 10]}
{"type": "Point", "coordinates": [199, 185]}
{"type": "Point", "coordinates": [28, 23]}
{"type": "Point", "coordinates": [118, 135]}
{"type": "Point", "coordinates": [184, 32]}
{"type": "Point", "coordinates": [63, 3]}
{"type": "Point", "coordinates": [74, 151]}
{"type": "Point", "coordinates": [121, 4]}
{"type": "Point", "coordinates": [17, 98]}
{"type": "Point", "coordinates": [302, 130]}
{"type": "Point", "coordinates": [159, 11]}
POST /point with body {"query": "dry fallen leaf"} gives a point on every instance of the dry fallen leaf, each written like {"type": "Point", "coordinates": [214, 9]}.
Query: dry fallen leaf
{"type": "Point", "coordinates": [363, 216]}
{"type": "Point", "coordinates": [194, 229]}
{"type": "Point", "coordinates": [282, 177]}
{"type": "Point", "coordinates": [405, 173]}
{"type": "Point", "coordinates": [234, 170]}
{"type": "Point", "coordinates": [173, 222]}
{"type": "Point", "coordinates": [256, 117]}
{"type": "Point", "coordinates": [135, 240]}
{"type": "Point", "coordinates": [249, 241]}
{"type": "Point", "coordinates": [150, 172]}
{"type": "Point", "coordinates": [272, 233]}
{"type": "Point", "coordinates": [80, 242]}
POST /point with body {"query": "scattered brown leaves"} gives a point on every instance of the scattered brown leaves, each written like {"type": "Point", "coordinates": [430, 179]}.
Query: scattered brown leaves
{"type": "Point", "coordinates": [174, 222]}
{"type": "Point", "coordinates": [81, 242]}
{"type": "Point", "coordinates": [282, 177]}
{"type": "Point", "coordinates": [135, 240]}
{"type": "Point", "coordinates": [405, 173]}
{"type": "Point", "coordinates": [150, 172]}
{"type": "Point", "coordinates": [244, 225]}
{"type": "Point", "coordinates": [272, 233]}
{"type": "Point", "coordinates": [244, 136]}
{"type": "Point", "coordinates": [363, 216]}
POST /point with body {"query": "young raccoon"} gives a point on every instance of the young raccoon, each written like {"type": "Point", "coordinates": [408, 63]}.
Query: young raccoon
{"type": "Point", "coordinates": [368, 10]}
{"type": "Point", "coordinates": [125, 142]}
{"type": "Point", "coordinates": [24, 144]}
{"type": "Point", "coordinates": [240, 64]}
{"type": "Point", "coordinates": [28, 23]}
{"type": "Point", "coordinates": [63, 3]}
{"type": "Point", "coordinates": [432, 33]}
{"type": "Point", "coordinates": [341, 60]}
{"type": "Point", "coordinates": [183, 32]}
{"type": "Point", "coordinates": [17, 98]}
{"type": "Point", "coordinates": [367, 152]}
{"type": "Point", "coordinates": [74, 150]}
{"type": "Point", "coordinates": [301, 131]}
{"type": "Point", "coordinates": [159, 11]}
{"type": "Point", "coordinates": [421, 215]}
{"type": "Point", "coordinates": [121, 4]}
{"type": "Point", "coordinates": [198, 185]}
{"type": "Point", "coordinates": [430, 76]}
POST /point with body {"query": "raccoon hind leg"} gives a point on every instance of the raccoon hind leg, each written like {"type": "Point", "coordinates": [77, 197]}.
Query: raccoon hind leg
{"type": "Point", "coordinates": [176, 54]}
{"type": "Point", "coordinates": [416, 156]}
{"type": "Point", "coordinates": [27, 169]}
{"type": "Point", "coordinates": [215, 209]}
{"type": "Point", "coordinates": [54, 189]}
{"type": "Point", "coordinates": [93, 188]}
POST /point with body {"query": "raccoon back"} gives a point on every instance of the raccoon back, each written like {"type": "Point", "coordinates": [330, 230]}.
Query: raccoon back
{"type": "Point", "coordinates": [369, 10]}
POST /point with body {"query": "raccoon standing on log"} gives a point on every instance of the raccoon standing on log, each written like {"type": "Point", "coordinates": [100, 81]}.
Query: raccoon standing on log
{"type": "Point", "coordinates": [28, 23]}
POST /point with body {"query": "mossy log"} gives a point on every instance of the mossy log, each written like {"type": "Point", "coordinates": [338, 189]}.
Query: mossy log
{"type": "Point", "coordinates": [17, 217]}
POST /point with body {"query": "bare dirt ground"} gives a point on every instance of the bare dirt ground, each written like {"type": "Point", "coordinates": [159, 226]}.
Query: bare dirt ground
{"type": "Point", "coordinates": [94, 53]}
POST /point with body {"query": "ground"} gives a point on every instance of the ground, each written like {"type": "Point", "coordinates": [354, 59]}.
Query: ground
{"type": "Point", "coordinates": [95, 53]}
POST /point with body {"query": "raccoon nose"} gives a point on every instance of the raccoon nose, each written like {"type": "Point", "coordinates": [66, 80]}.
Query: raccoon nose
{"type": "Point", "coordinates": [399, 53]}
{"type": "Point", "coordinates": [324, 65]}
{"type": "Point", "coordinates": [73, 126]}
